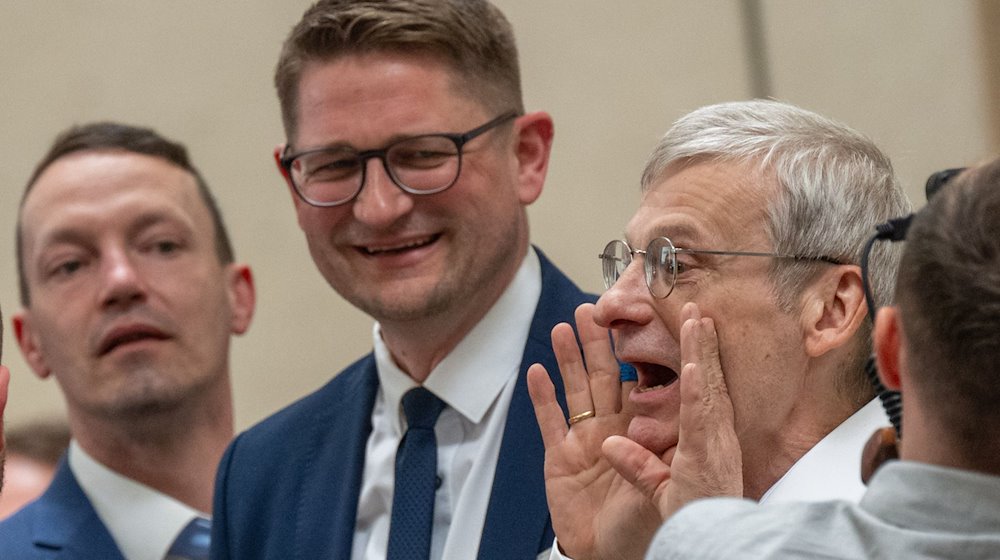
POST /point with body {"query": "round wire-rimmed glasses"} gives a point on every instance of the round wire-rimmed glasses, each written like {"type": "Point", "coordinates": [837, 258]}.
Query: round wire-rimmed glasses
{"type": "Point", "coordinates": [660, 263]}
{"type": "Point", "coordinates": [424, 164]}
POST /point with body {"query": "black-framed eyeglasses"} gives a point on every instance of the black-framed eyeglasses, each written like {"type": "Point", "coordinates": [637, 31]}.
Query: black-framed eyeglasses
{"type": "Point", "coordinates": [425, 164]}
{"type": "Point", "coordinates": [661, 265]}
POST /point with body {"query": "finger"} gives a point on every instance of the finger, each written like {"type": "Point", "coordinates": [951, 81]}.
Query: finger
{"type": "Point", "coordinates": [710, 361]}
{"type": "Point", "coordinates": [4, 380]}
{"type": "Point", "coordinates": [572, 369]}
{"type": "Point", "coordinates": [602, 367]}
{"type": "Point", "coordinates": [705, 405]}
{"type": "Point", "coordinates": [692, 418]}
{"type": "Point", "coordinates": [626, 404]}
{"type": "Point", "coordinates": [638, 465]}
{"type": "Point", "coordinates": [700, 347]}
{"type": "Point", "coordinates": [548, 413]}
{"type": "Point", "coordinates": [689, 349]}
{"type": "Point", "coordinates": [708, 461]}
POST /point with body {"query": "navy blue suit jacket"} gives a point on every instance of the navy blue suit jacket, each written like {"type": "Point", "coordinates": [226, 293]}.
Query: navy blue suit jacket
{"type": "Point", "coordinates": [288, 488]}
{"type": "Point", "coordinates": [61, 524]}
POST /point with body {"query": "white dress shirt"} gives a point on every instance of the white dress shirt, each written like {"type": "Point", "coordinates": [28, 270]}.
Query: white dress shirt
{"type": "Point", "coordinates": [476, 381]}
{"type": "Point", "coordinates": [831, 470]}
{"type": "Point", "coordinates": [142, 521]}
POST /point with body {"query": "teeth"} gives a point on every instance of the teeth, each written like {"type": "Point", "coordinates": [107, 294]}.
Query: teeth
{"type": "Point", "coordinates": [653, 388]}
{"type": "Point", "coordinates": [405, 246]}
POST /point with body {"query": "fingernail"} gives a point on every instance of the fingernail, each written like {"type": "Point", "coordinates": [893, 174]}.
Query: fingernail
{"type": "Point", "coordinates": [627, 372]}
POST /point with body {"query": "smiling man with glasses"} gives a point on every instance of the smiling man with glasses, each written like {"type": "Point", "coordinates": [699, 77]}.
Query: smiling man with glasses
{"type": "Point", "coordinates": [752, 219]}
{"type": "Point", "coordinates": [410, 161]}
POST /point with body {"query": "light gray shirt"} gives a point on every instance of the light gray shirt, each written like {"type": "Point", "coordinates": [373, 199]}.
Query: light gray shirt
{"type": "Point", "coordinates": [911, 510]}
{"type": "Point", "coordinates": [831, 470]}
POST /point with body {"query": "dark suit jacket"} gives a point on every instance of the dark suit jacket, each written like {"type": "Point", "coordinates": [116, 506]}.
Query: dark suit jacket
{"type": "Point", "coordinates": [61, 524]}
{"type": "Point", "coordinates": [288, 487]}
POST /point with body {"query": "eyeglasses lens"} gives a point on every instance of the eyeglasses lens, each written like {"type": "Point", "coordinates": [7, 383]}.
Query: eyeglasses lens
{"type": "Point", "coordinates": [660, 267]}
{"type": "Point", "coordinates": [615, 258]}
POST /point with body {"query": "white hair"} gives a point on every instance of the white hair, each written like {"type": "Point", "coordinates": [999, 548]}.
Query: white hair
{"type": "Point", "coordinates": [834, 186]}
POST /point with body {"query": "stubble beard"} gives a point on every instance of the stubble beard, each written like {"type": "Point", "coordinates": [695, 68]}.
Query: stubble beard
{"type": "Point", "coordinates": [453, 292]}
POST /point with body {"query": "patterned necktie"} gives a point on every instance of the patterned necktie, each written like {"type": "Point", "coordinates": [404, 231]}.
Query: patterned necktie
{"type": "Point", "coordinates": [193, 542]}
{"type": "Point", "coordinates": [416, 474]}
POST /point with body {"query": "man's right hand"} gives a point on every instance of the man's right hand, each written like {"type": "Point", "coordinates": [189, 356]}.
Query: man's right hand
{"type": "Point", "coordinates": [595, 512]}
{"type": "Point", "coordinates": [4, 380]}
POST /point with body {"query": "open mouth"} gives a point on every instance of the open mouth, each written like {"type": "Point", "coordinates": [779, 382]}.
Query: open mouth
{"type": "Point", "coordinates": [400, 249]}
{"type": "Point", "coordinates": [653, 376]}
{"type": "Point", "coordinates": [127, 337]}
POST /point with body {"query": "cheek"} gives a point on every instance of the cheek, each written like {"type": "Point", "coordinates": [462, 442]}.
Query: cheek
{"type": "Point", "coordinates": [319, 222]}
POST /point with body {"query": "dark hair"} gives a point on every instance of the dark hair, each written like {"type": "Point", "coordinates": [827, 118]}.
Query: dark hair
{"type": "Point", "coordinates": [109, 136]}
{"type": "Point", "coordinates": [471, 36]}
{"type": "Point", "coordinates": [949, 301]}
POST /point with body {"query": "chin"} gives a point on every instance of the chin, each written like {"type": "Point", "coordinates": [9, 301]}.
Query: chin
{"type": "Point", "coordinates": [660, 437]}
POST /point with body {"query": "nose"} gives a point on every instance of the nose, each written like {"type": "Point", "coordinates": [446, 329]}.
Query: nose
{"type": "Point", "coordinates": [121, 283]}
{"type": "Point", "coordinates": [626, 303]}
{"type": "Point", "coordinates": [381, 202]}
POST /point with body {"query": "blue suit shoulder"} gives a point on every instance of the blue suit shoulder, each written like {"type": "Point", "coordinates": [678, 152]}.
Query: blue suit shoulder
{"type": "Point", "coordinates": [288, 487]}
{"type": "Point", "coordinates": [60, 524]}
{"type": "Point", "coordinates": [16, 534]}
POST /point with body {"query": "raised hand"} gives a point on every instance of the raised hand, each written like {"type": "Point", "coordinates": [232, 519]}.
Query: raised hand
{"type": "Point", "coordinates": [708, 460]}
{"type": "Point", "coordinates": [595, 512]}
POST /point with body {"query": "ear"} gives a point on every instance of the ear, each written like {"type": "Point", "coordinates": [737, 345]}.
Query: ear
{"type": "Point", "coordinates": [833, 309]}
{"type": "Point", "coordinates": [242, 297]}
{"type": "Point", "coordinates": [889, 348]}
{"type": "Point", "coordinates": [534, 133]}
{"type": "Point", "coordinates": [29, 345]}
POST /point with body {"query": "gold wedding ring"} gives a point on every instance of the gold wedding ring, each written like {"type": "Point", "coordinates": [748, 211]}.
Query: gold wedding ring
{"type": "Point", "coordinates": [582, 416]}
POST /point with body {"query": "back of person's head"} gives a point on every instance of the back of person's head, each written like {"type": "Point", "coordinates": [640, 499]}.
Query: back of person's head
{"type": "Point", "coordinates": [472, 37]}
{"type": "Point", "coordinates": [834, 187]}
{"type": "Point", "coordinates": [112, 137]}
{"type": "Point", "coordinates": [949, 302]}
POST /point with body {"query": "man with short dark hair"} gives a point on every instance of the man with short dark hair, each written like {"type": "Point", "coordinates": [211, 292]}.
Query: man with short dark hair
{"type": "Point", "coordinates": [410, 162]}
{"type": "Point", "coordinates": [130, 299]}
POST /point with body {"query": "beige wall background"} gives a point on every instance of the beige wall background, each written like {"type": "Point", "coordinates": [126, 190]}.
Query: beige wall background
{"type": "Point", "coordinates": [919, 76]}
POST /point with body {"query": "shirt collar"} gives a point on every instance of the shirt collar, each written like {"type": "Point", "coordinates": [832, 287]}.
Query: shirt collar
{"type": "Point", "coordinates": [832, 468]}
{"type": "Point", "coordinates": [470, 378]}
{"type": "Point", "coordinates": [142, 521]}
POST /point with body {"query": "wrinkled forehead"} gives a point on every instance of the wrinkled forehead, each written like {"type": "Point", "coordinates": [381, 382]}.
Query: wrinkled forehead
{"type": "Point", "coordinates": [704, 204]}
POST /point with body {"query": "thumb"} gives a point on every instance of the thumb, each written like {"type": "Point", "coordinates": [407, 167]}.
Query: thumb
{"type": "Point", "coordinates": [639, 466]}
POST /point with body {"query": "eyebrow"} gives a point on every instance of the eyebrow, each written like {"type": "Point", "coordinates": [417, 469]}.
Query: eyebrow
{"type": "Point", "coordinates": [151, 218]}
{"type": "Point", "coordinates": [76, 235]}
{"type": "Point", "coordinates": [345, 145]}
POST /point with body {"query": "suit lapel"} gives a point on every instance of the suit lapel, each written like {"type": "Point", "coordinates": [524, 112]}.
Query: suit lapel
{"type": "Point", "coordinates": [517, 519]}
{"type": "Point", "coordinates": [335, 457]}
{"type": "Point", "coordinates": [66, 523]}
